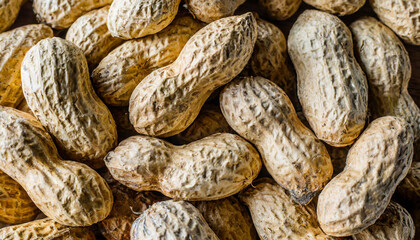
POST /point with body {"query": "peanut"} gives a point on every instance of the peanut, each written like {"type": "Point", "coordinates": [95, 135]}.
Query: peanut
{"type": "Point", "coordinates": [209, 11]}
{"type": "Point", "coordinates": [23, 106]}
{"type": "Point", "coordinates": [212, 168]}
{"type": "Point", "coordinates": [376, 164]}
{"type": "Point", "coordinates": [13, 46]}
{"type": "Point", "coordinates": [401, 16]}
{"type": "Point", "coordinates": [120, 71]}
{"type": "Point", "coordinates": [57, 88]}
{"type": "Point", "coordinates": [171, 220]}
{"type": "Point", "coordinates": [280, 9]}
{"type": "Point", "coordinates": [261, 112]}
{"type": "Point", "coordinates": [168, 100]}
{"type": "Point", "coordinates": [9, 10]}
{"type": "Point", "coordinates": [339, 7]}
{"type": "Point", "coordinates": [90, 33]}
{"type": "Point", "coordinates": [69, 192]}
{"type": "Point", "coordinates": [129, 19]}
{"type": "Point", "coordinates": [332, 87]}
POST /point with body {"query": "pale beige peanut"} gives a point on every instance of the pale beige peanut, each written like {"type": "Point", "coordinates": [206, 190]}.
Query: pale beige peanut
{"type": "Point", "coordinates": [69, 192]}
{"type": "Point", "coordinates": [120, 71]}
{"type": "Point", "coordinates": [280, 9]}
{"type": "Point", "coordinates": [130, 19]}
{"type": "Point", "coordinates": [57, 88]}
{"type": "Point", "coordinates": [402, 16]}
{"type": "Point", "coordinates": [13, 46]}
{"type": "Point", "coordinates": [339, 7]}
{"type": "Point", "coordinates": [209, 11]}
{"type": "Point", "coordinates": [60, 14]}
{"type": "Point", "coordinates": [9, 10]}
{"type": "Point", "coordinates": [45, 229]}
{"type": "Point", "coordinates": [168, 100]}
{"type": "Point", "coordinates": [262, 113]}
{"type": "Point", "coordinates": [90, 33]}
{"type": "Point", "coordinates": [212, 168]}
{"type": "Point", "coordinates": [171, 220]}
{"type": "Point", "coordinates": [332, 87]}
{"type": "Point", "coordinates": [376, 164]}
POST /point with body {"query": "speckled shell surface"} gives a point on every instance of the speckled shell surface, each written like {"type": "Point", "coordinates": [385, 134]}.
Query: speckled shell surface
{"type": "Point", "coordinates": [119, 72]}
{"type": "Point", "coordinates": [9, 10]}
{"type": "Point", "coordinates": [130, 19]}
{"type": "Point", "coordinates": [212, 168]}
{"type": "Point", "coordinates": [388, 69]}
{"type": "Point", "coordinates": [69, 192]}
{"type": "Point", "coordinates": [45, 229]}
{"type": "Point", "coordinates": [171, 220]}
{"type": "Point", "coordinates": [13, 46]}
{"type": "Point", "coordinates": [90, 33]}
{"type": "Point", "coordinates": [280, 9]}
{"type": "Point", "coordinates": [402, 16]}
{"type": "Point", "coordinates": [261, 112]}
{"type": "Point", "coordinates": [339, 7]}
{"type": "Point", "coordinates": [61, 14]}
{"type": "Point", "coordinates": [168, 100]}
{"type": "Point", "coordinates": [332, 87]}
{"type": "Point", "coordinates": [276, 216]}
{"type": "Point", "coordinates": [376, 164]}
{"type": "Point", "coordinates": [209, 11]}
{"type": "Point", "coordinates": [57, 88]}
{"type": "Point", "coordinates": [394, 224]}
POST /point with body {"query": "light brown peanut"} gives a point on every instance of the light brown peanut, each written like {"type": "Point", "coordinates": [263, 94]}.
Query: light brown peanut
{"type": "Point", "coordinates": [261, 112]}
{"type": "Point", "coordinates": [209, 11]}
{"type": "Point", "coordinates": [376, 164]}
{"type": "Point", "coordinates": [9, 10]}
{"type": "Point", "coordinates": [339, 7]}
{"type": "Point", "coordinates": [280, 9]}
{"type": "Point", "coordinates": [168, 100]}
{"type": "Point", "coordinates": [212, 168]}
{"type": "Point", "coordinates": [332, 87]}
{"type": "Point", "coordinates": [57, 88]}
{"type": "Point", "coordinates": [69, 192]}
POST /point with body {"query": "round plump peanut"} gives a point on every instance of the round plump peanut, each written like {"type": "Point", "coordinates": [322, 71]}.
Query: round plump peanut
{"type": "Point", "coordinates": [332, 87]}
{"type": "Point", "coordinates": [261, 112]}
{"type": "Point", "coordinates": [376, 164]}
{"type": "Point", "coordinates": [280, 9]}
{"type": "Point", "coordinates": [209, 11]}
{"type": "Point", "coordinates": [212, 168]}
{"type": "Point", "coordinates": [168, 100]}
{"type": "Point", "coordinates": [9, 10]}
{"type": "Point", "coordinates": [339, 7]}
{"type": "Point", "coordinates": [57, 88]}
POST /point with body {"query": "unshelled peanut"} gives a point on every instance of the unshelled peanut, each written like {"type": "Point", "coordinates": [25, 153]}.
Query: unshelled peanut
{"type": "Point", "coordinates": [280, 9]}
{"type": "Point", "coordinates": [209, 11]}
{"type": "Point", "coordinates": [339, 7]}
{"type": "Point", "coordinates": [9, 10]}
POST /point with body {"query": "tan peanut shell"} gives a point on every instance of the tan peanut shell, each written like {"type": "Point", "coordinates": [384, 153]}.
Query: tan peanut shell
{"type": "Point", "coordinates": [212, 168]}
{"type": "Point", "coordinates": [168, 100]}
{"type": "Point", "coordinates": [13, 46]}
{"type": "Point", "coordinates": [46, 229]}
{"type": "Point", "coordinates": [15, 205]}
{"type": "Point", "coordinates": [57, 88]}
{"type": "Point", "coordinates": [171, 220]}
{"type": "Point", "coordinates": [120, 71]}
{"type": "Point", "coordinates": [402, 16]}
{"type": "Point", "coordinates": [280, 9]}
{"type": "Point", "coordinates": [209, 11]}
{"type": "Point", "coordinates": [276, 216]}
{"type": "Point", "coordinates": [130, 19]}
{"type": "Point", "coordinates": [61, 14]}
{"type": "Point", "coordinates": [90, 33]}
{"type": "Point", "coordinates": [332, 87]}
{"type": "Point", "coordinates": [394, 224]}
{"type": "Point", "coordinates": [339, 7]}
{"type": "Point", "coordinates": [387, 66]}
{"type": "Point", "coordinates": [9, 10]}
{"type": "Point", "coordinates": [69, 192]}
{"type": "Point", "coordinates": [262, 113]}
{"type": "Point", "coordinates": [228, 218]}
{"type": "Point", "coordinates": [376, 164]}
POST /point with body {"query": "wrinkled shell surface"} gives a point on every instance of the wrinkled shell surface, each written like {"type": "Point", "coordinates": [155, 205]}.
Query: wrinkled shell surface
{"type": "Point", "coordinates": [212, 168]}
{"type": "Point", "coordinates": [57, 88]}
{"type": "Point", "coordinates": [402, 16]}
{"type": "Point", "coordinates": [332, 87]}
{"type": "Point", "coordinates": [13, 46]}
{"type": "Point", "coordinates": [276, 216]}
{"type": "Point", "coordinates": [168, 100]}
{"type": "Point", "coordinates": [339, 7]}
{"type": "Point", "coordinates": [9, 10]}
{"type": "Point", "coordinates": [171, 220]}
{"type": "Point", "coordinates": [280, 9]}
{"type": "Point", "coordinates": [61, 14]}
{"type": "Point", "coordinates": [376, 164]}
{"type": "Point", "coordinates": [69, 192]}
{"type": "Point", "coordinates": [130, 19]}
{"type": "Point", "coordinates": [119, 72]}
{"type": "Point", "coordinates": [209, 11]}
{"type": "Point", "coordinates": [261, 112]}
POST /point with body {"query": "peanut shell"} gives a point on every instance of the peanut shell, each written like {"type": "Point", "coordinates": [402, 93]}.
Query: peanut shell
{"type": "Point", "coordinates": [339, 7]}
{"type": "Point", "coordinates": [209, 11]}
{"type": "Point", "coordinates": [280, 9]}
{"type": "Point", "coordinates": [9, 10]}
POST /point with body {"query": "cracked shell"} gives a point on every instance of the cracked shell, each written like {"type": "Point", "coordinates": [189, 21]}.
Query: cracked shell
{"type": "Point", "coordinates": [209, 11]}
{"type": "Point", "coordinates": [339, 7]}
